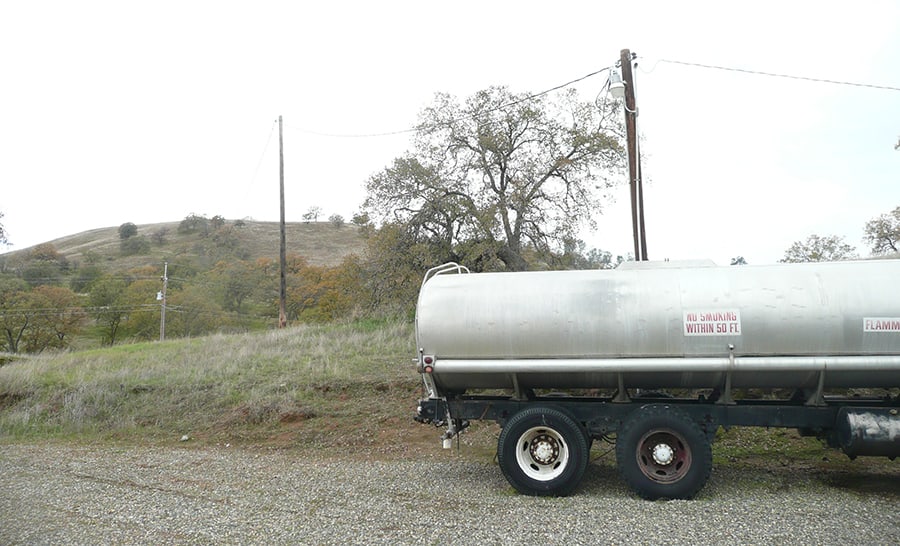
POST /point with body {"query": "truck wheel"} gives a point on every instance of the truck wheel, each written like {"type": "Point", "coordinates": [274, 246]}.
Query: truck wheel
{"type": "Point", "coordinates": [543, 451]}
{"type": "Point", "coordinates": [662, 453]}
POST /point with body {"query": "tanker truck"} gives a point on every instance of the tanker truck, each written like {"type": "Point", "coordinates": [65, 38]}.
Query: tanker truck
{"type": "Point", "coordinates": [656, 356]}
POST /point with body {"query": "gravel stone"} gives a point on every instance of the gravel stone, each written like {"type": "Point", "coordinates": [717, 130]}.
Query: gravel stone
{"type": "Point", "coordinates": [60, 494]}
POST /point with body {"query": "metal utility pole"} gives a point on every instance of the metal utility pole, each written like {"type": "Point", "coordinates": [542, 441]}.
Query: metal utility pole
{"type": "Point", "coordinates": [162, 297]}
{"type": "Point", "coordinates": [282, 297]}
{"type": "Point", "coordinates": [634, 160]}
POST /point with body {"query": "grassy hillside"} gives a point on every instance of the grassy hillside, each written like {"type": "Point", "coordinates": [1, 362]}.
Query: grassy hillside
{"type": "Point", "coordinates": [223, 276]}
{"type": "Point", "coordinates": [321, 243]}
{"type": "Point", "coordinates": [332, 384]}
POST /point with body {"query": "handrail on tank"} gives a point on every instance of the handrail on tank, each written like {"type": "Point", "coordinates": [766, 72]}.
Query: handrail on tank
{"type": "Point", "coordinates": [449, 267]}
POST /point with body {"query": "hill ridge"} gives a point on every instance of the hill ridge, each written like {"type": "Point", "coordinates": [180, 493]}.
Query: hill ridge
{"type": "Point", "coordinates": [320, 243]}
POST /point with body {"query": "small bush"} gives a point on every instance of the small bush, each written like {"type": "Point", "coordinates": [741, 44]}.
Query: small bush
{"type": "Point", "coordinates": [135, 246]}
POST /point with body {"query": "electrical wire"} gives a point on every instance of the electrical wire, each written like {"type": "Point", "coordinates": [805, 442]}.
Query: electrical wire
{"type": "Point", "coordinates": [552, 89]}
{"type": "Point", "coordinates": [351, 135]}
{"type": "Point", "coordinates": [777, 75]}
{"type": "Point", "coordinates": [263, 154]}
{"type": "Point", "coordinates": [490, 111]}
{"type": "Point", "coordinates": [62, 278]}
{"type": "Point", "coordinates": [146, 307]}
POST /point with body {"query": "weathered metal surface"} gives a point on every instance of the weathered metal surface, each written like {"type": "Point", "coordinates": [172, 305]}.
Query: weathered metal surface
{"type": "Point", "coordinates": [665, 325]}
{"type": "Point", "coordinates": [869, 431]}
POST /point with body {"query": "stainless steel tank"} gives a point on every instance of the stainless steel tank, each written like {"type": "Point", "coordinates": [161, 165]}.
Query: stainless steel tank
{"type": "Point", "coordinates": [659, 325]}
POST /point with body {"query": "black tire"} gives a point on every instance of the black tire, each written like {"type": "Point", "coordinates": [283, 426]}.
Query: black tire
{"type": "Point", "coordinates": [663, 454]}
{"type": "Point", "coordinates": [543, 451]}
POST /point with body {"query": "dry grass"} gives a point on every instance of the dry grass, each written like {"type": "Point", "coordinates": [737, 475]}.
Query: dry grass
{"type": "Point", "coordinates": [321, 243]}
{"type": "Point", "coordinates": [326, 384]}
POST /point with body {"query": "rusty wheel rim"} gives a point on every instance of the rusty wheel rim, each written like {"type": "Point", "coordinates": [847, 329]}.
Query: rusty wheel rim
{"type": "Point", "coordinates": [663, 455]}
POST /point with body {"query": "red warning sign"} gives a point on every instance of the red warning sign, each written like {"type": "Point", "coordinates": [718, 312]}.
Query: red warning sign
{"type": "Point", "coordinates": [712, 322]}
{"type": "Point", "coordinates": [881, 324]}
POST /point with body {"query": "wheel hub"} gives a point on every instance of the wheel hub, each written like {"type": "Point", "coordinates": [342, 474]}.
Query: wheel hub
{"type": "Point", "coordinates": [663, 454]}
{"type": "Point", "coordinates": [544, 449]}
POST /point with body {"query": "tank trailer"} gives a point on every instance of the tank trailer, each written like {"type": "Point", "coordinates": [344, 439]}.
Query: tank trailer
{"type": "Point", "coordinates": [657, 356]}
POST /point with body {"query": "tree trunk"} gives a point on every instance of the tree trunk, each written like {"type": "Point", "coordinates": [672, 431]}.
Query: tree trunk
{"type": "Point", "coordinates": [513, 260]}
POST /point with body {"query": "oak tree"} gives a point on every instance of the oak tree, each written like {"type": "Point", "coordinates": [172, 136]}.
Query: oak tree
{"type": "Point", "coordinates": [501, 173]}
{"type": "Point", "coordinates": [58, 318]}
{"type": "Point", "coordinates": [16, 313]}
{"type": "Point", "coordinates": [883, 233]}
{"type": "Point", "coordinates": [312, 215]}
{"type": "Point", "coordinates": [107, 306]}
{"type": "Point", "coordinates": [819, 249]}
{"type": "Point", "coordinates": [127, 230]}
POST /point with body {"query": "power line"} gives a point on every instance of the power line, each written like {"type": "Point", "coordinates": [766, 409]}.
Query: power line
{"type": "Point", "coordinates": [492, 110]}
{"type": "Point", "coordinates": [552, 89]}
{"type": "Point", "coordinates": [263, 154]}
{"type": "Point", "coordinates": [350, 135]}
{"type": "Point", "coordinates": [76, 311]}
{"type": "Point", "coordinates": [776, 75]}
{"type": "Point", "coordinates": [149, 308]}
{"type": "Point", "coordinates": [60, 279]}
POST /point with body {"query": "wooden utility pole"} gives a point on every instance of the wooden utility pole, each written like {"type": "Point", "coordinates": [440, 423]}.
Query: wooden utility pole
{"type": "Point", "coordinates": [634, 160]}
{"type": "Point", "coordinates": [162, 297]}
{"type": "Point", "coordinates": [282, 297]}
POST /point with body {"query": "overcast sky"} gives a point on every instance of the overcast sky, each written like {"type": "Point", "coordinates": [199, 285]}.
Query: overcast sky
{"type": "Point", "coordinates": [144, 112]}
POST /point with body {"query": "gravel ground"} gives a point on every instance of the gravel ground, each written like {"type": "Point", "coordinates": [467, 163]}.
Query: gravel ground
{"type": "Point", "coordinates": [56, 494]}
